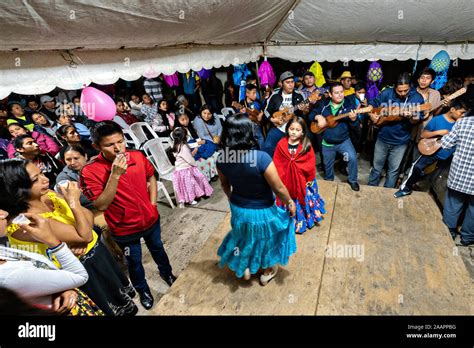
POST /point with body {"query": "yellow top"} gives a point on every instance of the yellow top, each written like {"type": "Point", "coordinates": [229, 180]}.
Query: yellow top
{"type": "Point", "coordinates": [349, 91]}
{"type": "Point", "coordinates": [61, 213]}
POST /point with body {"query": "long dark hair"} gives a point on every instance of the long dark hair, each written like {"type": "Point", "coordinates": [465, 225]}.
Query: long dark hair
{"type": "Point", "coordinates": [19, 125]}
{"type": "Point", "coordinates": [189, 127]}
{"type": "Point", "coordinates": [305, 142]}
{"type": "Point", "coordinates": [15, 186]}
{"type": "Point", "coordinates": [61, 133]}
{"type": "Point", "coordinates": [238, 133]}
{"type": "Point", "coordinates": [179, 139]}
{"type": "Point", "coordinates": [163, 114]}
{"type": "Point", "coordinates": [212, 120]}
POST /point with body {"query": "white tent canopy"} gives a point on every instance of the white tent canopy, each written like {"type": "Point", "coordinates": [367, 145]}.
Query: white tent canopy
{"type": "Point", "coordinates": [69, 44]}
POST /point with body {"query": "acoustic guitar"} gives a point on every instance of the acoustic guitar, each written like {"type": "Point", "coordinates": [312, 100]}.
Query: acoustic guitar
{"type": "Point", "coordinates": [429, 146]}
{"type": "Point", "coordinates": [396, 113]}
{"type": "Point", "coordinates": [253, 113]}
{"type": "Point", "coordinates": [332, 120]}
{"type": "Point", "coordinates": [286, 114]}
{"type": "Point", "coordinates": [450, 97]}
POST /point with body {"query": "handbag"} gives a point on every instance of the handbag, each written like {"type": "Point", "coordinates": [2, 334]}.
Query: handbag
{"type": "Point", "coordinates": [215, 138]}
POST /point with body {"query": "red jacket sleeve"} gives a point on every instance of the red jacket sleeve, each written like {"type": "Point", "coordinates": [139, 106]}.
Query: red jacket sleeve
{"type": "Point", "coordinates": [90, 184]}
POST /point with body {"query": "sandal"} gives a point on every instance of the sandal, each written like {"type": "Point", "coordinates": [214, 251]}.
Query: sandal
{"type": "Point", "coordinates": [265, 278]}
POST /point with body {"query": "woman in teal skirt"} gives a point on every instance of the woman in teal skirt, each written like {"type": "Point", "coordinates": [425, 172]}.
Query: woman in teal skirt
{"type": "Point", "coordinates": [262, 235]}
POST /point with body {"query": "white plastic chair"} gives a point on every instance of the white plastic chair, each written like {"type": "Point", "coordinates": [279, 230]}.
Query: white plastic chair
{"type": "Point", "coordinates": [143, 131]}
{"type": "Point", "coordinates": [221, 117]}
{"type": "Point", "coordinates": [155, 151]}
{"type": "Point", "coordinates": [131, 141]}
{"type": "Point", "coordinates": [161, 187]}
{"type": "Point", "coordinates": [227, 112]}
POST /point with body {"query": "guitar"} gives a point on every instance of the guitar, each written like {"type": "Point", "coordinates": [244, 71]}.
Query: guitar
{"type": "Point", "coordinates": [396, 113]}
{"type": "Point", "coordinates": [332, 120]}
{"type": "Point", "coordinates": [450, 97]}
{"type": "Point", "coordinates": [286, 114]}
{"type": "Point", "coordinates": [429, 146]}
{"type": "Point", "coordinates": [253, 113]}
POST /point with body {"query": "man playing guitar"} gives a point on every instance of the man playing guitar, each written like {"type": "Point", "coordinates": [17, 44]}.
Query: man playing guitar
{"type": "Point", "coordinates": [337, 139]}
{"type": "Point", "coordinates": [286, 97]}
{"type": "Point", "coordinates": [393, 137]}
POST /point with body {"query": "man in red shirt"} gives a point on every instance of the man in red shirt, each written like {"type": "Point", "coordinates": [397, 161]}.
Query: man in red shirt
{"type": "Point", "coordinates": [121, 183]}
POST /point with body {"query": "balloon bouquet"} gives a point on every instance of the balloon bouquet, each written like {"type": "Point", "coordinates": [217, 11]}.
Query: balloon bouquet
{"type": "Point", "coordinates": [97, 105]}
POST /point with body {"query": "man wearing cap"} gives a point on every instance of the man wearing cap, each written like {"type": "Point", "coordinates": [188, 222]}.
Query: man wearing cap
{"type": "Point", "coordinates": [48, 107]}
{"type": "Point", "coordinates": [285, 97]}
{"type": "Point", "coordinates": [346, 82]}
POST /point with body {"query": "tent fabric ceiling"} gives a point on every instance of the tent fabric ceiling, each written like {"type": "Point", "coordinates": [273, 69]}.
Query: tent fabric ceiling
{"type": "Point", "coordinates": [125, 39]}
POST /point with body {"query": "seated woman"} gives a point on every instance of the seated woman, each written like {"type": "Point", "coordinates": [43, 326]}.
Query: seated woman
{"type": "Point", "coordinates": [65, 119]}
{"type": "Point", "coordinates": [45, 142]}
{"type": "Point", "coordinates": [69, 136]}
{"type": "Point", "coordinates": [75, 158]}
{"type": "Point", "coordinates": [16, 114]}
{"type": "Point", "coordinates": [159, 124]}
{"type": "Point", "coordinates": [166, 114]}
{"type": "Point", "coordinates": [207, 126]}
{"type": "Point", "coordinates": [204, 151]}
{"type": "Point", "coordinates": [24, 189]}
{"type": "Point", "coordinates": [37, 280]}
{"type": "Point", "coordinates": [44, 125]}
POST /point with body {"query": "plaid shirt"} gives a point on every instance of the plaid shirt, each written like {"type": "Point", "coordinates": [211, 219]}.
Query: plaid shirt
{"type": "Point", "coordinates": [461, 174]}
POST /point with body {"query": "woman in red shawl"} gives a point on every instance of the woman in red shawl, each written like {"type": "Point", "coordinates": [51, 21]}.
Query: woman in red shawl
{"type": "Point", "coordinates": [296, 164]}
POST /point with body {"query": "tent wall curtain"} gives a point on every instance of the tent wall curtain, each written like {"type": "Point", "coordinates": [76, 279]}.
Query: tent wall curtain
{"type": "Point", "coordinates": [41, 72]}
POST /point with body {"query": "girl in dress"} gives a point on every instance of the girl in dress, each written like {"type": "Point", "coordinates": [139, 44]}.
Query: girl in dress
{"type": "Point", "coordinates": [204, 151]}
{"type": "Point", "coordinates": [296, 164]}
{"type": "Point", "coordinates": [188, 182]}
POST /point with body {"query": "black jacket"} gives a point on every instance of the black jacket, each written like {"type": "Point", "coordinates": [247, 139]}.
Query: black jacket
{"type": "Point", "coordinates": [275, 100]}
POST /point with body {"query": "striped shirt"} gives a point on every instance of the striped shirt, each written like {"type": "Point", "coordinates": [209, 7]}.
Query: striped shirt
{"type": "Point", "coordinates": [154, 89]}
{"type": "Point", "coordinates": [461, 174]}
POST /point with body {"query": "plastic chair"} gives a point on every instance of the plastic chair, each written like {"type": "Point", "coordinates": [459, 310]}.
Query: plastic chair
{"type": "Point", "coordinates": [131, 141]}
{"type": "Point", "coordinates": [221, 117]}
{"type": "Point", "coordinates": [227, 112]}
{"type": "Point", "coordinates": [155, 151]}
{"type": "Point", "coordinates": [161, 187]}
{"type": "Point", "coordinates": [143, 131]}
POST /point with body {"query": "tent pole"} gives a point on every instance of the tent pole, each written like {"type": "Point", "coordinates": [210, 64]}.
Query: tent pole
{"type": "Point", "coordinates": [281, 21]}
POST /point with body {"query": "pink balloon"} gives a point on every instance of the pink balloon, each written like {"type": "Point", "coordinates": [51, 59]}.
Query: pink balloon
{"type": "Point", "coordinates": [97, 105]}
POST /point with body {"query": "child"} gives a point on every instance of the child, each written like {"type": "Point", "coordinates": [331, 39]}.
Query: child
{"type": "Point", "coordinates": [296, 164]}
{"type": "Point", "coordinates": [204, 151]}
{"type": "Point", "coordinates": [188, 182]}
{"type": "Point", "coordinates": [437, 127]}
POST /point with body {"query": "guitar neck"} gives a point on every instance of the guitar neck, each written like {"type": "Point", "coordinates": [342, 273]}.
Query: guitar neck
{"type": "Point", "coordinates": [450, 97]}
{"type": "Point", "coordinates": [358, 111]}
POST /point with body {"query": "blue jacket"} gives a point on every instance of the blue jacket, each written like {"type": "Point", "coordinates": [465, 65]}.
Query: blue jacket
{"type": "Point", "coordinates": [396, 133]}
{"type": "Point", "coordinates": [339, 133]}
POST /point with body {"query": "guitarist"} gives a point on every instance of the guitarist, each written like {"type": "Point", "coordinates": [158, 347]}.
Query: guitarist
{"type": "Point", "coordinates": [285, 97]}
{"type": "Point", "coordinates": [337, 139]}
{"type": "Point", "coordinates": [437, 127]}
{"type": "Point", "coordinates": [430, 95]}
{"type": "Point", "coordinates": [250, 102]}
{"type": "Point", "coordinates": [393, 137]}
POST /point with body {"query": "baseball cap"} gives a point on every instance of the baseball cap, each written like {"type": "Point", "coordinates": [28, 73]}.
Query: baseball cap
{"type": "Point", "coordinates": [46, 98]}
{"type": "Point", "coordinates": [286, 75]}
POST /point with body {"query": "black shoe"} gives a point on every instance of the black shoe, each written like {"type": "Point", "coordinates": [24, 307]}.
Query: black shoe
{"type": "Point", "coordinates": [464, 244]}
{"type": "Point", "coordinates": [146, 299]}
{"type": "Point", "coordinates": [402, 193]}
{"type": "Point", "coordinates": [354, 186]}
{"type": "Point", "coordinates": [170, 279]}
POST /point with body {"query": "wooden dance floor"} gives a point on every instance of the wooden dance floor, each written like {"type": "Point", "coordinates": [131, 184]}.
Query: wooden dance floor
{"type": "Point", "coordinates": [371, 255]}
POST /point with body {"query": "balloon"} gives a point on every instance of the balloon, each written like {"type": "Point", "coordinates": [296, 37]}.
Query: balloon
{"type": "Point", "coordinates": [97, 105]}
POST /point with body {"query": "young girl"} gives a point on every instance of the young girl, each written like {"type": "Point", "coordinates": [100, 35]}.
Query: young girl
{"type": "Point", "coordinates": [204, 151]}
{"type": "Point", "coordinates": [188, 182]}
{"type": "Point", "coordinates": [296, 164]}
